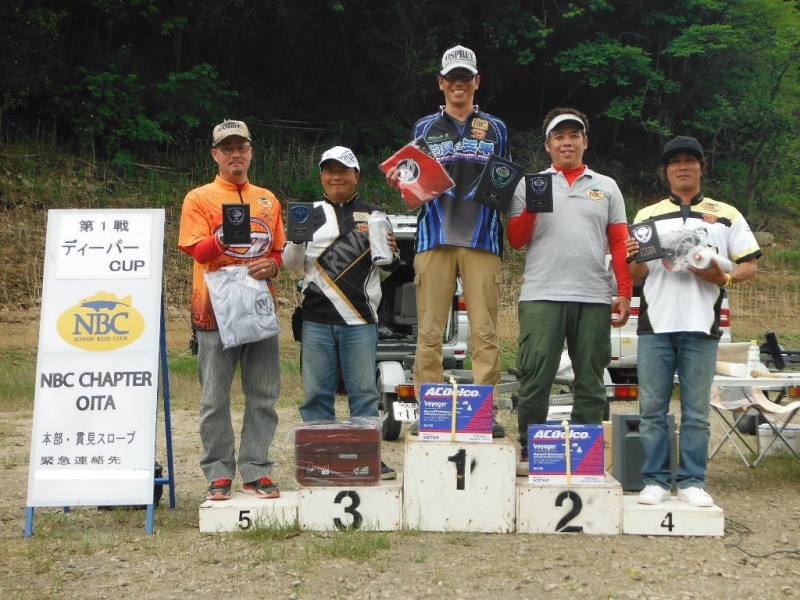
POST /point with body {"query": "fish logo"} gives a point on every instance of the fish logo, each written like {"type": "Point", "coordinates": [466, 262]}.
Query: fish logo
{"type": "Point", "coordinates": [101, 323]}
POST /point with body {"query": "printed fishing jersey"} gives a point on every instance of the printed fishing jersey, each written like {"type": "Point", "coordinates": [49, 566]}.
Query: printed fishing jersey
{"type": "Point", "coordinates": [201, 217]}
{"type": "Point", "coordinates": [454, 218]}
{"type": "Point", "coordinates": [679, 300]}
{"type": "Point", "coordinates": [341, 285]}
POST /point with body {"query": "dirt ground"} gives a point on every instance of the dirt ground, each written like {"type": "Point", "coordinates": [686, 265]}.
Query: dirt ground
{"type": "Point", "coordinates": [106, 554]}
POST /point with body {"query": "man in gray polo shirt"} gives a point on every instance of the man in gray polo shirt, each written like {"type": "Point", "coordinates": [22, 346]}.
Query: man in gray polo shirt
{"type": "Point", "coordinates": [566, 291]}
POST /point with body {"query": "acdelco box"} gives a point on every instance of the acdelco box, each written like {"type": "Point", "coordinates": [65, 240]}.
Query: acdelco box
{"type": "Point", "coordinates": [547, 454]}
{"type": "Point", "coordinates": [338, 453]}
{"type": "Point", "coordinates": [473, 417]}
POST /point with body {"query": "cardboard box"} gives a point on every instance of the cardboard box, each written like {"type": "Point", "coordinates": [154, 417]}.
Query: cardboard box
{"type": "Point", "coordinates": [473, 418]}
{"type": "Point", "coordinates": [338, 453]}
{"type": "Point", "coordinates": [547, 455]}
{"type": "Point", "coordinates": [607, 439]}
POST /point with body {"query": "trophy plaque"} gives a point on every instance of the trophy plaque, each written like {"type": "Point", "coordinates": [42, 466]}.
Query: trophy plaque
{"type": "Point", "coordinates": [300, 223]}
{"type": "Point", "coordinates": [539, 193]}
{"type": "Point", "coordinates": [498, 183]}
{"type": "Point", "coordinates": [236, 224]}
{"type": "Point", "coordinates": [649, 245]}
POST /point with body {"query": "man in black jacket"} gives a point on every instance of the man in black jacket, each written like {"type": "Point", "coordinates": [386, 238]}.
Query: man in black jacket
{"type": "Point", "coordinates": [341, 293]}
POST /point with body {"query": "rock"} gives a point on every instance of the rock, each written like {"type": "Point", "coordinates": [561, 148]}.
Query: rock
{"type": "Point", "coordinates": [764, 238]}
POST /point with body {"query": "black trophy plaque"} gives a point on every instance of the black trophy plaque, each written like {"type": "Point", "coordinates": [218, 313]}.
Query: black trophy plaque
{"type": "Point", "coordinates": [300, 223]}
{"type": "Point", "coordinates": [498, 182]}
{"type": "Point", "coordinates": [649, 245]}
{"type": "Point", "coordinates": [236, 224]}
{"type": "Point", "coordinates": [539, 193]}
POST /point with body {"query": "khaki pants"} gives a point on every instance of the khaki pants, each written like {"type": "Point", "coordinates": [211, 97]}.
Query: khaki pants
{"type": "Point", "coordinates": [435, 280]}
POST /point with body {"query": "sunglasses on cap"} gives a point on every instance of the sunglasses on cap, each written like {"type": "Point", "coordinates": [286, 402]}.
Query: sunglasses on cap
{"type": "Point", "coordinates": [461, 76]}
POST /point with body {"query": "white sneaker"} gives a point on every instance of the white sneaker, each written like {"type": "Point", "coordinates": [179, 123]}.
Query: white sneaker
{"type": "Point", "coordinates": [523, 468]}
{"type": "Point", "coordinates": [696, 496]}
{"type": "Point", "coordinates": [653, 494]}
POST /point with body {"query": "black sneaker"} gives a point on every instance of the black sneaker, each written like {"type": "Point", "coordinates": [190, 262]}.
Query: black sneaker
{"type": "Point", "coordinates": [523, 466]}
{"type": "Point", "coordinates": [414, 428]}
{"type": "Point", "coordinates": [498, 431]}
{"type": "Point", "coordinates": [261, 488]}
{"type": "Point", "coordinates": [220, 489]}
{"type": "Point", "coordinates": [387, 472]}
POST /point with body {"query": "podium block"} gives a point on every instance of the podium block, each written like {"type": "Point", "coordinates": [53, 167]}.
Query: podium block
{"type": "Point", "coordinates": [372, 508]}
{"type": "Point", "coordinates": [590, 509]}
{"type": "Point", "coordinates": [671, 517]}
{"type": "Point", "coordinates": [244, 511]}
{"type": "Point", "coordinates": [459, 486]}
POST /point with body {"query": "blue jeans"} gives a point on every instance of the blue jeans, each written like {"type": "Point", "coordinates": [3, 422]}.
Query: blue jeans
{"type": "Point", "coordinates": [694, 356]}
{"type": "Point", "coordinates": [325, 347]}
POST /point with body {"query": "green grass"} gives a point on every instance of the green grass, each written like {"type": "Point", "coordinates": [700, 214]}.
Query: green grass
{"type": "Point", "coordinates": [17, 378]}
{"type": "Point", "coordinates": [781, 258]}
{"type": "Point", "coordinates": [355, 545]}
{"type": "Point", "coordinates": [779, 467]}
{"type": "Point", "coordinates": [181, 364]}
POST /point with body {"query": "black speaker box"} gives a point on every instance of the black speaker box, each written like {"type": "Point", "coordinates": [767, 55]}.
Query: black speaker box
{"type": "Point", "coordinates": [627, 453]}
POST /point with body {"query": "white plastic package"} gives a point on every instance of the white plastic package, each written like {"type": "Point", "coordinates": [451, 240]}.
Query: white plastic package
{"type": "Point", "coordinates": [243, 306]}
{"type": "Point", "coordinates": [677, 247]}
{"type": "Point", "coordinates": [701, 257]}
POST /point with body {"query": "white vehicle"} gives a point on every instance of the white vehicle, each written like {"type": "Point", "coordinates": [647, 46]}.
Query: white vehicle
{"type": "Point", "coordinates": [397, 314]}
{"type": "Point", "coordinates": [462, 339]}
{"type": "Point", "coordinates": [397, 331]}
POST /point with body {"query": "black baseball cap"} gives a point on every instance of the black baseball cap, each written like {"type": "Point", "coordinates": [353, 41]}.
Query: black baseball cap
{"type": "Point", "coordinates": [682, 143]}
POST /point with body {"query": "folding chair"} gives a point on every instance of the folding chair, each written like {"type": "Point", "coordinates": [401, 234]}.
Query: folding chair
{"type": "Point", "coordinates": [778, 416]}
{"type": "Point", "coordinates": [738, 401]}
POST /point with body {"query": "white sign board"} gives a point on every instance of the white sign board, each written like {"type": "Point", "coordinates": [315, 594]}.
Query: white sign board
{"type": "Point", "coordinates": [94, 421]}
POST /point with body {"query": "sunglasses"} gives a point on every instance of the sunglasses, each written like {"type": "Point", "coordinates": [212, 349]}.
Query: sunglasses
{"type": "Point", "coordinates": [242, 148]}
{"type": "Point", "coordinates": [465, 76]}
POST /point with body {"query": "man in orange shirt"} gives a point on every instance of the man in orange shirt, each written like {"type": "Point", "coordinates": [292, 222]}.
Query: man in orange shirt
{"type": "Point", "coordinates": [201, 238]}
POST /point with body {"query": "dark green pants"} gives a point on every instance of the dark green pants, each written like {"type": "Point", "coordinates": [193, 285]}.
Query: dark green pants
{"type": "Point", "coordinates": [543, 327]}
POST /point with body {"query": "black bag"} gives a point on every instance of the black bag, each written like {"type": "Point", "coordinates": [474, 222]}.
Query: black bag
{"type": "Point", "coordinates": [297, 324]}
{"type": "Point", "coordinates": [158, 492]}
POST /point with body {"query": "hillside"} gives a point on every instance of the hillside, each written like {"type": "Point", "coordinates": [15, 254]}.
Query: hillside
{"type": "Point", "coordinates": [34, 179]}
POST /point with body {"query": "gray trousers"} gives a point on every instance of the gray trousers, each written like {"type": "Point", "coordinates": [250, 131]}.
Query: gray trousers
{"type": "Point", "coordinates": [261, 384]}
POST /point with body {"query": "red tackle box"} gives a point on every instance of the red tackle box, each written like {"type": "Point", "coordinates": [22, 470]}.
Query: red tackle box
{"type": "Point", "coordinates": [338, 453]}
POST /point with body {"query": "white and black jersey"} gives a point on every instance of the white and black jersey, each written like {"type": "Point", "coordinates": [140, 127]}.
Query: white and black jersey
{"type": "Point", "coordinates": [341, 286]}
{"type": "Point", "coordinates": [681, 301]}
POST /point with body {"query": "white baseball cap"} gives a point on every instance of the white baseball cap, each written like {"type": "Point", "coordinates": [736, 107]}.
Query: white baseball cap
{"type": "Point", "coordinates": [459, 57]}
{"type": "Point", "coordinates": [229, 128]}
{"type": "Point", "coordinates": [561, 119]}
{"type": "Point", "coordinates": [341, 155]}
